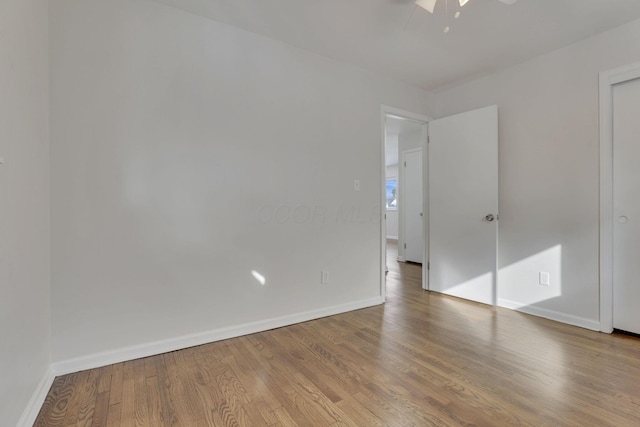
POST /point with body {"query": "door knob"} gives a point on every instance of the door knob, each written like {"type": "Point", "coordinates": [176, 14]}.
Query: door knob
{"type": "Point", "coordinates": [421, 214]}
{"type": "Point", "coordinates": [489, 217]}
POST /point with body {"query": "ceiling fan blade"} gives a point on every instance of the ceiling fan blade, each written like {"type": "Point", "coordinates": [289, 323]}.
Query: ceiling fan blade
{"type": "Point", "coordinates": [429, 5]}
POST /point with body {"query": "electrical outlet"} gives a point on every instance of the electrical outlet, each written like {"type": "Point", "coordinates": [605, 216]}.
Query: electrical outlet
{"type": "Point", "coordinates": [324, 277]}
{"type": "Point", "coordinates": [545, 278]}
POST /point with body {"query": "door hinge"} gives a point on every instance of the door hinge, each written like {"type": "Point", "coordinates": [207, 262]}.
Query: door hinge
{"type": "Point", "coordinates": [405, 164]}
{"type": "Point", "coordinates": [428, 265]}
{"type": "Point", "coordinates": [405, 246]}
{"type": "Point", "coordinates": [428, 139]}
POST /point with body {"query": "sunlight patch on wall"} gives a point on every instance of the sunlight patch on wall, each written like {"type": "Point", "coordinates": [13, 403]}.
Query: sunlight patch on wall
{"type": "Point", "coordinates": [259, 277]}
{"type": "Point", "coordinates": [479, 288]}
{"type": "Point", "coordinates": [521, 283]}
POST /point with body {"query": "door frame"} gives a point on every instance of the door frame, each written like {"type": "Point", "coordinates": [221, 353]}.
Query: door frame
{"type": "Point", "coordinates": [607, 80]}
{"type": "Point", "coordinates": [402, 211]}
{"type": "Point", "coordinates": [386, 110]}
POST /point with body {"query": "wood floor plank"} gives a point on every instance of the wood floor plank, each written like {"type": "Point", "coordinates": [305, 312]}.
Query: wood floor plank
{"type": "Point", "coordinates": [422, 359]}
{"type": "Point", "coordinates": [140, 405]}
{"type": "Point", "coordinates": [101, 410]}
{"type": "Point", "coordinates": [53, 411]}
{"type": "Point", "coordinates": [73, 408]}
{"type": "Point", "coordinates": [89, 396]}
{"type": "Point", "coordinates": [199, 396]}
{"type": "Point", "coordinates": [154, 408]}
{"type": "Point", "coordinates": [167, 405]}
{"type": "Point", "coordinates": [150, 367]}
{"type": "Point", "coordinates": [127, 413]}
{"type": "Point", "coordinates": [114, 415]}
{"type": "Point", "coordinates": [115, 395]}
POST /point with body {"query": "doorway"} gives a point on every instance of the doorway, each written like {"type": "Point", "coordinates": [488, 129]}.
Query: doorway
{"type": "Point", "coordinates": [459, 206]}
{"type": "Point", "coordinates": [404, 134]}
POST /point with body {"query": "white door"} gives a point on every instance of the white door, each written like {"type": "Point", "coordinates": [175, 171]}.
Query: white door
{"type": "Point", "coordinates": [412, 192]}
{"type": "Point", "coordinates": [463, 205]}
{"type": "Point", "coordinates": [626, 206]}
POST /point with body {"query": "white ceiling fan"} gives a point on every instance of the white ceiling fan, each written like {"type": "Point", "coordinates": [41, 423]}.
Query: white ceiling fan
{"type": "Point", "coordinates": [430, 5]}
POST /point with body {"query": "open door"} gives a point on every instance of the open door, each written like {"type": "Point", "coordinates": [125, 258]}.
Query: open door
{"type": "Point", "coordinates": [463, 205]}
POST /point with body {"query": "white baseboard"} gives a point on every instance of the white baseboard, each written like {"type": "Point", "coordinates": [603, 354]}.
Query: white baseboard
{"type": "Point", "coordinates": [401, 259]}
{"type": "Point", "coordinates": [150, 349]}
{"type": "Point", "coordinates": [32, 409]}
{"type": "Point", "coordinates": [392, 237]}
{"type": "Point", "coordinates": [551, 314]}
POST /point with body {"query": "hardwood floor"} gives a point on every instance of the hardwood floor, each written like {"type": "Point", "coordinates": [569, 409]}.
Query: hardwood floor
{"type": "Point", "coordinates": [422, 359]}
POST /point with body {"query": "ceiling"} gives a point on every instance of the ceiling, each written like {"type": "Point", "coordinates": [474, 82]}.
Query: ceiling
{"type": "Point", "coordinates": [398, 39]}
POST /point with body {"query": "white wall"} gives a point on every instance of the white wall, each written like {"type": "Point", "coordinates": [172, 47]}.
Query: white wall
{"type": "Point", "coordinates": [392, 224]}
{"type": "Point", "coordinates": [410, 138]}
{"type": "Point", "coordinates": [24, 205]}
{"type": "Point", "coordinates": [166, 125]}
{"type": "Point", "coordinates": [549, 171]}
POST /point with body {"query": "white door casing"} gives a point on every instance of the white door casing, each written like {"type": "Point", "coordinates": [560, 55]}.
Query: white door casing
{"type": "Point", "coordinates": [463, 205]}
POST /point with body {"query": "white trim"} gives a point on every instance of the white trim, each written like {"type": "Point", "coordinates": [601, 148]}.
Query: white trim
{"type": "Point", "coordinates": [608, 79]}
{"type": "Point", "coordinates": [38, 397]}
{"type": "Point", "coordinates": [392, 111]}
{"type": "Point", "coordinates": [383, 203]}
{"type": "Point", "coordinates": [401, 259]}
{"type": "Point", "coordinates": [425, 205]}
{"type": "Point", "coordinates": [392, 238]}
{"type": "Point", "coordinates": [557, 316]}
{"type": "Point", "coordinates": [149, 349]}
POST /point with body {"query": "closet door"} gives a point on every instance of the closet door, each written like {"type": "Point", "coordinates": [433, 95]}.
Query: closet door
{"type": "Point", "coordinates": [626, 206]}
{"type": "Point", "coordinates": [412, 192]}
